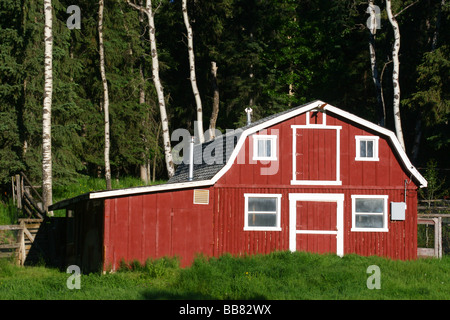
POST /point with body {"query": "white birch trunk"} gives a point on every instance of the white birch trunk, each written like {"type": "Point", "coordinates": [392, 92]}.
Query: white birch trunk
{"type": "Point", "coordinates": [198, 100]}
{"type": "Point", "coordinates": [105, 94]}
{"type": "Point", "coordinates": [395, 74]}
{"type": "Point", "coordinates": [215, 109]}
{"type": "Point", "coordinates": [373, 25]}
{"type": "Point", "coordinates": [47, 193]}
{"type": "Point", "coordinates": [160, 92]}
{"type": "Point", "coordinates": [159, 89]}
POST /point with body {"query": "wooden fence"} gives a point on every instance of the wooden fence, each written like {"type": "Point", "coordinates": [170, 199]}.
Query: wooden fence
{"type": "Point", "coordinates": [16, 240]}
{"type": "Point", "coordinates": [436, 214]}
{"type": "Point", "coordinates": [26, 197]}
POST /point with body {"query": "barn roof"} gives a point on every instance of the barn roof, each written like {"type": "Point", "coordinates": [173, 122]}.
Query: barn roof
{"type": "Point", "coordinates": [206, 173]}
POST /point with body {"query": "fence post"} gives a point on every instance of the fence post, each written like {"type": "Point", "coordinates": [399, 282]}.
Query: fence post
{"type": "Point", "coordinates": [21, 242]}
{"type": "Point", "coordinates": [19, 191]}
{"type": "Point", "coordinates": [439, 236]}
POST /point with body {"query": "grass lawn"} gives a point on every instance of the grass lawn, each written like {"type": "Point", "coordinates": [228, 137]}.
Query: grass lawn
{"type": "Point", "coordinates": [277, 276]}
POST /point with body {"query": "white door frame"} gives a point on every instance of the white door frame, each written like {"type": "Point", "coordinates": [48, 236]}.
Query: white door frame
{"type": "Point", "coordinates": [319, 197]}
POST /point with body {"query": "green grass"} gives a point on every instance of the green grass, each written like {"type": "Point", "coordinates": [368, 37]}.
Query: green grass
{"type": "Point", "coordinates": [280, 275]}
{"type": "Point", "coordinates": [8, 212]}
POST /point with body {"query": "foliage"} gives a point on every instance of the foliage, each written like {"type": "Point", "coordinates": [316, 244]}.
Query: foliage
{"type": "Point", "coordinates": [271, 55]}
{"type": "Point", "coordinates": [279, 275]}
{"type": "Point", "coordinates": [435, 185]}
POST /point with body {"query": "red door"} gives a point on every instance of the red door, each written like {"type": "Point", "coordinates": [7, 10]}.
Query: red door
{"type": "Point", "coordinates": [316, 154]}
{"type": "Point", "coordinates": [316, 226]}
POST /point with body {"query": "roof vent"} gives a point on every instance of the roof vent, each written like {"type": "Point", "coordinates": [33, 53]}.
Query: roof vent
{"type": "Point", "coordinates": [201, 196]}
{"type": "Point", "coordinates": [249, 116]}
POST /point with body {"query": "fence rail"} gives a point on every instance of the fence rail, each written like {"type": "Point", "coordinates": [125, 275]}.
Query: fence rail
{"type": "Point", "coordinates": [18, 246]}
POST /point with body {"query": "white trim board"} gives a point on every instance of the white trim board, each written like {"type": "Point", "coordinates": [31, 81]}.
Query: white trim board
{"type": "Point", "coordinates": [320, 197]}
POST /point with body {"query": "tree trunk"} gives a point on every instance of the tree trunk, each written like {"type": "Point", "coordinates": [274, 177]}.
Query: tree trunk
{"type": "Point", "coordinates": [159, 89]}
{"type": "Point", "coordinates": [215, 109]}
{"type": "Point", "coordinates": [198, 100]}
{"type": "Point", "coordinates": [105, 94]}
{"type": "Point", "coordinates": [373, 26]}
{"type": "Point", "coordinates": [144, 172]}
{"type": "Point", "coordinates": [47, 193]}
{"type": "Point", "coordinates": [395, 74]}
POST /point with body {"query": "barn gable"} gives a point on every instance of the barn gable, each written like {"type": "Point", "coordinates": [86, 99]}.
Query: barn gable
{"type": "Point", "coordinates": [215, 171]}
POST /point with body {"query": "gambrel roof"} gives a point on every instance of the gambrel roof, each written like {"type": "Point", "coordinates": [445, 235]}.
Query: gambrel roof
{"type": "Point", "coordinates": [204, 171]}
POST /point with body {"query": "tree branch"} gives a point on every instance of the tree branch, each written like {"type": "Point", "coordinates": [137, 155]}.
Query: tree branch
{"type": "Point", "coordinates": [407, 7]}
{"type": "Point", "coordinates": [140, 8]}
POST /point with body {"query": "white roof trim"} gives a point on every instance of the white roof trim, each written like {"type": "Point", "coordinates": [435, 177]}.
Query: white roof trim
{"type": "Point", "coordinates": [422, 182]}
{"type": "Point", "coordinates": [345, 114]}
{"type": "Point", "coordinates": [154, 188]}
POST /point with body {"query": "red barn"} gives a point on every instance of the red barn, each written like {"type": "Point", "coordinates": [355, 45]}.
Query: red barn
{"type": "Point", "coordinates": [312, 178]}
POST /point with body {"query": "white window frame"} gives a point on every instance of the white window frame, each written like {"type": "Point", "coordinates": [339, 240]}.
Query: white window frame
{"type": "Point", "coordinates": [385, 213]}
{"type": "Point", "coordinates": [273, 146]}
{"type": "Point", "coordinates": [278, 212]}
{"type": "Point", "coordinates": [375, 140]}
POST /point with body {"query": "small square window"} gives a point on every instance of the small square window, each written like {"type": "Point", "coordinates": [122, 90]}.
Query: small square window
{"type": "Point", "coordinates": [264, 147]}
{"type": "Point", "coordinates": [262, 212]}
{"type": "Point", "coordinates": [369, 213]}
{"type": "Point", "coordinates": [366, 148]}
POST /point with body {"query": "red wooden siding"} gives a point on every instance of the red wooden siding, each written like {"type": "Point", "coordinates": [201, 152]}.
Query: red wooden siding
{"type": "Point", "coordinates": [383, 177]}
{"type": "Point", "coordinates": [230, 237]}
{"type": "Point", "coordinates": [315, 215]}
{"type": "Point", "coordinates": [155, 225]}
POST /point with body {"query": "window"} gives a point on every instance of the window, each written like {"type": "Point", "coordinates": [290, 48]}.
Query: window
{"type": "Point", "coordinates": [264, 147]}
{"type": "Point", "coordinates": [366, 148]}
{"type": "Point", "coordinates": [369, 212]}
{"type": "Point", "coordinates": [262, 212]}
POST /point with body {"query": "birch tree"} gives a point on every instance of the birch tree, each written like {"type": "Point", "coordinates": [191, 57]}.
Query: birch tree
{"type": "Point", "coordinates": [158, 86]}
{"type": "Point", "coordinates": [215, 108]}
{"type": "Point", "coordinates": [192, 76]}
{"type": "Point", "coordinates": [395, 74]}
{"type": "Point", "coordinates": [105, 94]}
{"type": "Point", "coordinates": [47, 109]}
{"type": "Point", "coordinates": [373, 25]}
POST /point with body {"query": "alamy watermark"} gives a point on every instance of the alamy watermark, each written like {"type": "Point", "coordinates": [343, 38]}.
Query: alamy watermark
{"type": "Point", "coordinates": [374, 21]}
{"type": "Point", "coordinates": [74, 281]}
{"type": "Point", "coordinates": [374, 281]}
{"type": "Point", "coordinates": [74, 21]}
{"type": "Point", "coordinates": [219, 150]}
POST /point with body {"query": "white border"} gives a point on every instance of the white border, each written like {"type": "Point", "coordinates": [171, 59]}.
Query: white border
{"type": "Point", "coordinates": [322, 197]}
{"type": "Point", "coordinates": [385, 213]}
{"type": "Point", "coordinates": [294, 180]}
{"type": "Point", "coordinates": [273, 146]}
{"type": "Point", "coordinates": [308, 118]}
{"type": "Point", "coordinates": [278, 211]}
{"type": "Point", "coordinates": [375, 140]}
